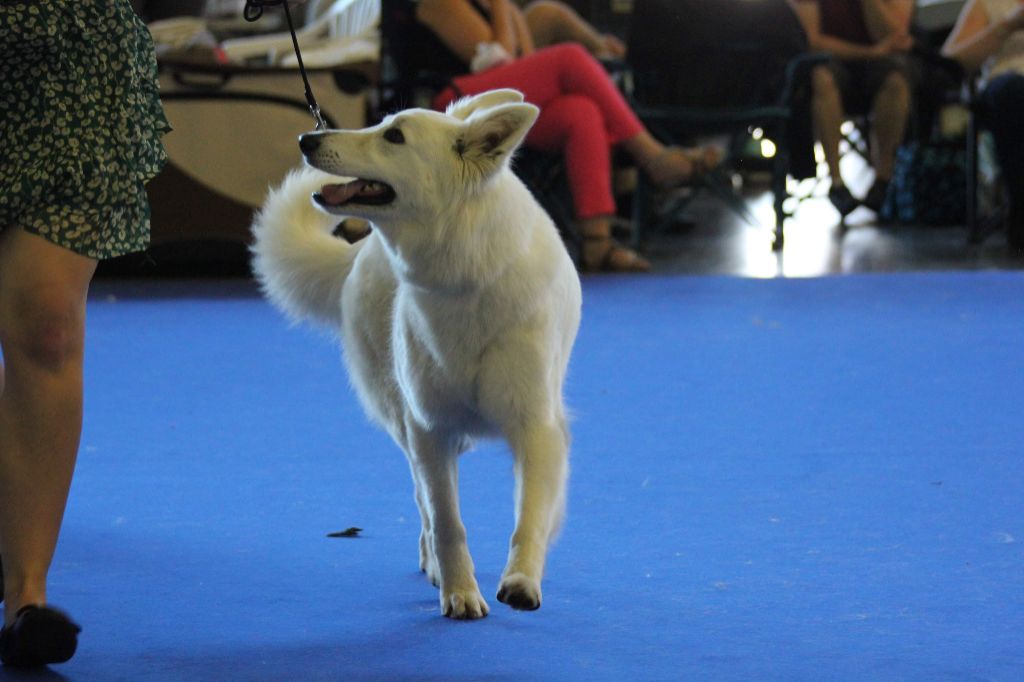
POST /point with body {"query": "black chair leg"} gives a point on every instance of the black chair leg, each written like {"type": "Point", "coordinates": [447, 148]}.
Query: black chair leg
{"type": "Point", "coordinates": [974, 231]}
{"type": "Point", "coordinates": [780, 172]}
{"type": "Point", "coordinates": [641, 199]}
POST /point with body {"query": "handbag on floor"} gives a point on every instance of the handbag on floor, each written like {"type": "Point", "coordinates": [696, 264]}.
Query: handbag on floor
{"type": "Point", "coordinates": [928, 186]}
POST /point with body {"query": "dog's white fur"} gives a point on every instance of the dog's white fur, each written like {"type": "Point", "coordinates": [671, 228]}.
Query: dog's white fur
{"type": "Point", "coordinates": [457, 315]}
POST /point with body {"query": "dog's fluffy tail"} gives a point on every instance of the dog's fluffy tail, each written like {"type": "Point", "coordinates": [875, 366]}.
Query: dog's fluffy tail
{"type": "Point", "coordinates": [300, 265]}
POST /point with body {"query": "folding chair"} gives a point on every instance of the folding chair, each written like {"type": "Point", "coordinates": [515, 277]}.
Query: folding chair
{"type": "Point", "coordinates": [706, 68]}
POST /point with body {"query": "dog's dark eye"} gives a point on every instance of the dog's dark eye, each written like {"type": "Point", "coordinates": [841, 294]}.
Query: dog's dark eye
{"type": "Point", "coordinates": [394, 136]}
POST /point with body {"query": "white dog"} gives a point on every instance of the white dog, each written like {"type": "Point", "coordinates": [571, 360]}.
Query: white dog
{"type": "Point", "coordinates": [457, 314]}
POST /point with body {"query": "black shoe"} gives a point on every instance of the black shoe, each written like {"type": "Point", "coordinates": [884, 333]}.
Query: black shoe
{"type": "Point", "coordinates": [39, 636]}
{"type": "Point", "coordinates": [875, 198]}
{"type": "Point", "coordinates": [842, 200]}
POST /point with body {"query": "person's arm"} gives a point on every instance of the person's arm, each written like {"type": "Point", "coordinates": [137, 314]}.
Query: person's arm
{"type": "Point", "coordinates": [461, 28]}
{"type": "Point", "coordinates": [975, 37]}
{"type": "Point", "coordinates": [809, 15]}
{"type": "Point", "coordinates": [885, 17]}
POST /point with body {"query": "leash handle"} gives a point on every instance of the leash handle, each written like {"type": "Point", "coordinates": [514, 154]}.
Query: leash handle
{"type": "Point", "coordinates": [253, 11]}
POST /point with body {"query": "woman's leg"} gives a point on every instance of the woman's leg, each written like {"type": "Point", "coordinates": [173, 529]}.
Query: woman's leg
{"type": "Point", "coordinates": [568, 69]}
{"type": "Point", "coordinates": [43, 290]}
{"type": "Point", "coordinates": [572, 125]}
{"type": "Point", "coordinates": [827, 111]}
{"type": "Point", "coordinates": [565, 69]}
{"type": "Point", "coordinates": [890, 113]}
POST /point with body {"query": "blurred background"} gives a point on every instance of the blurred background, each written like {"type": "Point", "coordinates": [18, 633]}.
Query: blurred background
{"type": "Point", "coordinates": [232, 91]}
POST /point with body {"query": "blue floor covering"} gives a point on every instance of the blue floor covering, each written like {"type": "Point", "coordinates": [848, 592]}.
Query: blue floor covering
{"type": "Point", "coordinates": [772, 480]}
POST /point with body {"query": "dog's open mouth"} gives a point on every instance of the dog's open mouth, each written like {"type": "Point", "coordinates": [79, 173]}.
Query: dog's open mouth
{"type": "Point", "coordinates": [367, 192]}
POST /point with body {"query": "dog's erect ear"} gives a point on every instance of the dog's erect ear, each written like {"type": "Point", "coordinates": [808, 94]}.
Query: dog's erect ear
{"type": "Point", "coordinates": [489, 137]}
{"type": "Point", "coordinates": [463, 108]}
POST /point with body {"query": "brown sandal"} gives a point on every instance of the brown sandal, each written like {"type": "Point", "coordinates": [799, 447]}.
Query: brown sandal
{"type": "Point", "coordinates": [701, 160]}
{"type": "Point", "coordinates": [615, 258]}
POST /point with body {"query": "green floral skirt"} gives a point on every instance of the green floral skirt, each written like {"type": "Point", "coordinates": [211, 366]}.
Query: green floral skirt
{"type": "Point", "coordinates": [80, 124]}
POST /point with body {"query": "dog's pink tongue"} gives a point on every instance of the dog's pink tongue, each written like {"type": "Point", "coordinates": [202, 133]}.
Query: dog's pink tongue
{"type": "Point", "coordinates": [339, 194]}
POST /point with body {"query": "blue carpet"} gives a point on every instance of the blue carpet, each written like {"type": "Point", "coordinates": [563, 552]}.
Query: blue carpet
{"type": "Point", "coordinates": [772, 480]}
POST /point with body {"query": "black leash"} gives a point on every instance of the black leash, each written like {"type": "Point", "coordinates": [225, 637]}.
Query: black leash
{"type": "Point", "coordinates": [253, 11]}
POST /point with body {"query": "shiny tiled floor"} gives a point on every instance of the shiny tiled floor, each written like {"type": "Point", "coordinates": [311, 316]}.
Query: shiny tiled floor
{"type": "Point", "coordinates": [715, 240]}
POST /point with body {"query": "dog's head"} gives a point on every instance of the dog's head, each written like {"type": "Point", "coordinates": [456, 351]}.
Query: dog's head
{"type": "Point", "coordinates": [418, 160]}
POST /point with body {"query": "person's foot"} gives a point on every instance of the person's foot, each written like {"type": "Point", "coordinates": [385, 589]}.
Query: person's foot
{"type": "Point", "coordinates": [604, 254]}
{"type": "Point", "coordinates": [875, 198]}
{"type": "Point", "coordinates": [611, 47]}
{"type": "Point", "coordinates": [39, 635]}
{"type": "Point", "coordinates": [678, 166]}
{"type": "Point", "coordinates": [842, 200]}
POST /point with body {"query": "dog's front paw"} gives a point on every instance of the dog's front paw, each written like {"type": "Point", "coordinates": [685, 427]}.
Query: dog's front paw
{"type": "Point", "coordinates": [464, 604]}
{"type": "Point", "coordinates": [520, 592]}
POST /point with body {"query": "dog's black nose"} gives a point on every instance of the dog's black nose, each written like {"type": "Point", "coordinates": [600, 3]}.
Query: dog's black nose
{"type": "Point", "coordinates": [309, 142]}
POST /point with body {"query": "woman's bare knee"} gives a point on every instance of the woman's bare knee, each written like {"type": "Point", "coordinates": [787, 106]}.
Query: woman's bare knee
{"type": "Point", "coordinates": [43, 289]}
{"type": "Point", "coordinates": [45, 328]}
{"type": "Point", "coordinates": [823, 81]}
{"type": "Point", "coordinates": [546, 9]}
{"type": "Point", "coordinates": [547, 21]}
{"type": "Point", "coordinates": [895, 90]}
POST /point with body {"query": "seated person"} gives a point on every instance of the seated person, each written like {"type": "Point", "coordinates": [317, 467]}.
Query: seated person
{"type": "Point", "coordinates": [486, 44]}
{"type": "Point", "coordinates": [868, 73]}
{"type": "Point", "coordinates": [989, 35]}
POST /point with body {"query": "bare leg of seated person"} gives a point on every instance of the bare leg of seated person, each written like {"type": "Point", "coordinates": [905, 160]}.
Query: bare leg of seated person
{"type": "Point", "coordinates": [889, 115]}
{"type": "Point", "coordinates": [827, 112]}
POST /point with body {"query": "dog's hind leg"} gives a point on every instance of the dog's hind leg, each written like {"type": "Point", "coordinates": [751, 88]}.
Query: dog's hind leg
{"type": "Point", "coordinates": [541, 471]}
{"type": "Point", "coordinates": [434, 461]}
{"type": "Point", "coordinates": [428, 564]}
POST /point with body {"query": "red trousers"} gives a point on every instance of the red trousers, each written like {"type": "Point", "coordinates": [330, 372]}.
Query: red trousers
{"type": "Point", "coordinates": [582, 115]}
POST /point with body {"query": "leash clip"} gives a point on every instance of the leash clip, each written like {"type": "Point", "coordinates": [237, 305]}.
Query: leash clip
{"type": "Point", "coordinates": [321, 124]}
